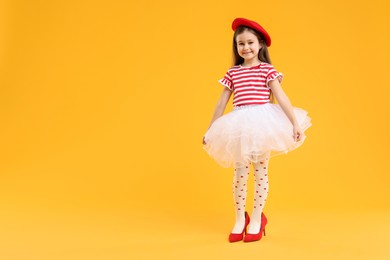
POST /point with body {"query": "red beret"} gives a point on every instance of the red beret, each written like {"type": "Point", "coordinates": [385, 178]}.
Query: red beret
{"type": "Point", "coordinates": [253, 25]}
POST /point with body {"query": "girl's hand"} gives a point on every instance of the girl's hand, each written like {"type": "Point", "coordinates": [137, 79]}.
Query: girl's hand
{"type": "Point", "coordinates": [298, 133]}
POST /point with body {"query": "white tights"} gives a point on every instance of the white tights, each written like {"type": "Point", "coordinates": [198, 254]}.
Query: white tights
{"type": "Point", "coordinates": [241, 174]}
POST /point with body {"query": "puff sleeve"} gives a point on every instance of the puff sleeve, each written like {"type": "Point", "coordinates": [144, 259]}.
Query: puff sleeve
{"type": "Point", "coordinates": [227, 81]}
{"type": "Point", "coordinates": [273, 74]}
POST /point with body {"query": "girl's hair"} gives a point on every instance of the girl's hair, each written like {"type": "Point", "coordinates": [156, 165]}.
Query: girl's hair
{"type": "Point", "coordinates": [263, 53]}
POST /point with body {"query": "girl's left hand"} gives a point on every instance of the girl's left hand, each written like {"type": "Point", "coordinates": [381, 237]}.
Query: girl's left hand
{"type": "Point", "coordinates": [298, 133]}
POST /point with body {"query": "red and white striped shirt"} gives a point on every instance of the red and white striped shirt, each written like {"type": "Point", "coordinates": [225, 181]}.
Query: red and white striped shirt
{"type": "Point", "coordinates": [250, 84]}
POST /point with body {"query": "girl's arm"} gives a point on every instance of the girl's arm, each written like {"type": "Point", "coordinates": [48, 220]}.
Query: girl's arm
{"type": "Point", "coordinates": [221, 105]}
{"type": "Point", "coordinates": [287, 107]}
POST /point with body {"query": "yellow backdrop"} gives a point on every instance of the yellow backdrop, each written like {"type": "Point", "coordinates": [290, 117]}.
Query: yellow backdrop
{"type": "Point", "coordinates": [104, 105]}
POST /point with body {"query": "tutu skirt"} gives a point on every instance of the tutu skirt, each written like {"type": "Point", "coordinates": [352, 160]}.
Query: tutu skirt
{"type": "Point", "coordinates": [245, 134]}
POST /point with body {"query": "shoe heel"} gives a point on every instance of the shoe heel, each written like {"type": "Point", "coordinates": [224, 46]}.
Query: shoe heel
{"type": "Point", "coordinates": [264, 231]}
{"type": "Point", "coordinates": [247, 220]}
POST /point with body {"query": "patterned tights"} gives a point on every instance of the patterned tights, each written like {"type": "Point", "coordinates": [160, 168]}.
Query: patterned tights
{"type": "Point", "coordinates": [241, 174]}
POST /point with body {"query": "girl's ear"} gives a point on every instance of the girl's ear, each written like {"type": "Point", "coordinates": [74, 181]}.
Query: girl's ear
{"type": "Point", "coordinates": [261, 44]}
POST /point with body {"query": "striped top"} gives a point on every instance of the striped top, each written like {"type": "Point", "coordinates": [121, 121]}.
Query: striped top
{"type": "Point", "coordinates": [250, 84]}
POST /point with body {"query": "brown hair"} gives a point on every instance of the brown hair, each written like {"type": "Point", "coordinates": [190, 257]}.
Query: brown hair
{"type": "Point", "coordinates": [263, 53]}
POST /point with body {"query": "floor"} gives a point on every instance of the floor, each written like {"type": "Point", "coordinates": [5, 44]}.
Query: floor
{"type": "Point", "coordinates": [39, 233]}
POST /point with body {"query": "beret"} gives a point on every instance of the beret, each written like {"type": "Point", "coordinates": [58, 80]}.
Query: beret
{"type": "Point", "coordinates": [253, 25]}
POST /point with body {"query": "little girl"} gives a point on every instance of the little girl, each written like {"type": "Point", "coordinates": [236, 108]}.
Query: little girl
{"type": "Point", "coordinates": [256, 129]}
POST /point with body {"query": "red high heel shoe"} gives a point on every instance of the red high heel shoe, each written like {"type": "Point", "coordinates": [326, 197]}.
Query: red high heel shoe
{"type": "Point", "coordinates": [233, 237]}
{"type": "Point", "coordinates": [255, 237]}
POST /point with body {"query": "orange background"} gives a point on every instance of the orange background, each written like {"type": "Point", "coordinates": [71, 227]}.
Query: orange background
{"type": "Point", "coordinates": [104, 105]}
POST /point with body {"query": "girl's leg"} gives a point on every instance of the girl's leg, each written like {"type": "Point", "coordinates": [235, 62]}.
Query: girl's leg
{"type": "Point", "coordinates": [261, 192]}
{"type": "Point", "coordinates": [241, 173]}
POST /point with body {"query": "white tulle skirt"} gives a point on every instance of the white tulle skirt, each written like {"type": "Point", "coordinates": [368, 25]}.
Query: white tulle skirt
{"type": "Point", "coordinates": [245, 134]}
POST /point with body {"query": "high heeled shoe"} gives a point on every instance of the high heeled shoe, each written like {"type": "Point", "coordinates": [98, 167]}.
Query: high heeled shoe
{"type": "Point", "coordinates": [233, 237]}
{"type": "Point", "coordinates": [254, 237]}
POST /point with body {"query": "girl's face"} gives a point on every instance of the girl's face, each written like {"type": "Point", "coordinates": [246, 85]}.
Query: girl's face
{"type": "Point", "coordinates": [248, 47]}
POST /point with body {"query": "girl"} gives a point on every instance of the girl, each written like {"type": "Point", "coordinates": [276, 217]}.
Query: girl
{"type": "Point", "coordinates": [256, 129]}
